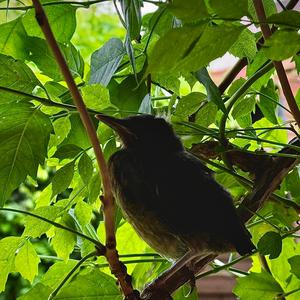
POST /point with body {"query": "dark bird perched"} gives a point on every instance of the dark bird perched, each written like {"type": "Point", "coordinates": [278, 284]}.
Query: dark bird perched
{"type": "Point", "coordinates": [168, 195]}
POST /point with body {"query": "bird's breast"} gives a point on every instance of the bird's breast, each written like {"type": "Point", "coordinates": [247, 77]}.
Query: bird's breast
{"type": "Point", "coordinates": [137, 197]}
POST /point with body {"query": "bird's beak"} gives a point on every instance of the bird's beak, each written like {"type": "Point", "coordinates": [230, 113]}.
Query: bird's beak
{"type": "Point", "coordinates": [117, 125]}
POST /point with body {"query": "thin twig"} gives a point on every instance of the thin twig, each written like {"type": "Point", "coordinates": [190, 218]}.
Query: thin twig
{"type": "Point", "coordinates": [69, 275]}
{"type": "Point", "coordinates": [107, 200]}
{"type": "Point", "coordinates": [285, 85]}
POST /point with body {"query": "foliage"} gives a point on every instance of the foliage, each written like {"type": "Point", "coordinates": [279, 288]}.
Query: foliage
{"type": "Point", "coordinates": [48, 172]}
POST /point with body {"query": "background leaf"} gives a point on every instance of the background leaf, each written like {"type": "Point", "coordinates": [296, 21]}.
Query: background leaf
{"type": "Point", "coordinates": [23, 146]}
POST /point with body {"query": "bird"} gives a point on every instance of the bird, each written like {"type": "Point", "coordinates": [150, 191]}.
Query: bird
{"type": "Point", "coordinates": [168, 195]}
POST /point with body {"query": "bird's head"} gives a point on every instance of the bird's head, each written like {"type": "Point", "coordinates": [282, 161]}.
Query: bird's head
{"type": "Point", "coordinates": [144, 132]}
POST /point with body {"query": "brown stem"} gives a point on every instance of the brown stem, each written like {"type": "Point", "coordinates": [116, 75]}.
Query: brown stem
{"type": "Point", "coordinates": [243, 62]}
{"type": "Point", "coordinates": [232, 74]}
{"type": "Point", "coordinates": [107, 200]}
{"type": "Point", "coordinates": [286, 88]}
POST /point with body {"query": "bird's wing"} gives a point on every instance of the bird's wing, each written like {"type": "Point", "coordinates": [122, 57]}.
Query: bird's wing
{"type": "Point", "coordinates": [193, 202]}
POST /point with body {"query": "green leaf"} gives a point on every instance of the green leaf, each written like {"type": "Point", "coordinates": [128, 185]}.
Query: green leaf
{"type": "Point", "coordinates": [189, 104]}
{"type": "Point", "coordinates": [96, 97]}
{"type": "Point", "coordinates": [15, 75]}
{"type": "Point", "coordinates": [245, 46]}
{"type": "Point", "coordinates": [62, 127]}
{"type": "Point", "coordinates": [243, 107]}
{"type": "Point", "coordinates": [193, 47]}
{"type": "Point", "coordinates": [164, 23]}
{"type": "Point", "coordinates": [257, 286]}
{"type": "Point", "coordinates": [85, 168]}
{"type": "Point", "coordinates": [126, 95]}
{"type": "Point", "coordinates": [64, 241]}
{"type": "Point", "coordinates": [270, 244]}
{"type": "Point", "coordinates": [94, 285]}
{"type": "Point", "coordinates": [292, 181]}
{"type": "Point", "coordinates": [213, 93]}
{"type": "Point", "coordinates": [62, 178]}
{"type": "Point", "coordinates": [61, 18]}
{"type": "Point", "coordinates": [67, 151]}
{"type": "Point", "coordinates": [146, 105]}
{"type": "Point", "coordinates": [94, 188]}
{"type": "Point", "coordinates": [132, 16]}
{"type": "Point", "coordinates": [230, 9]}
{"type": "Point", "coordinates": [13, 39]}
{"type": "Point", "coordinates": [38, 292]}
{"type": "Point", "coordinates": [286, 17]}
{"type": "Point", "coordinates": [35, 227]}
{"type": "Point", "coordinates": [207, 114]}
{"type": "Point", "coordinates": [24, 135]}
{"type": "Point", "coordinates": [77, 135]}
{"type": "Point", "coordinates": [269, 7]}
{"type": "Point", "coordinates": [27, 261]}
{"type": "Point", "coordinates": [188, 11]}
{"type": "Point", "coordinates": [83, 212]}
{"type": "Point", "coordinates": [42, 56]}
{"type": "Point", "coordinates": [8, 248]}
{"type": "Point", "coordinates": [105, 61]}
{"type": "Point", "coordinates": [294, 261]}
{"type": "Point", "coordinates": [268, 100]}
{"type": "Point", "coordinates": [57, 272]}
{"type": "Point", "coordinates": [282, 45]}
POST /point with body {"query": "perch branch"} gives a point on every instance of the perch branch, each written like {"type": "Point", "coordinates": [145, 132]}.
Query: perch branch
{"type": "Point", "coordinates": [111, 253]}
{"type": "Point", "coordinates": [257, 197]}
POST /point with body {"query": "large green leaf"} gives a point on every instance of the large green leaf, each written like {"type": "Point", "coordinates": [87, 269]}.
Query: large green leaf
{"type": "Point", "coordinates": [94, 285]}
{"type": "Point", "coordinates": [61, 18]}
{"type": "Point", "coordinates": [62, 178]}
{"type": "Point", "coordinates": [245, 46]}
{"type": "Point", "coordinates": [286, 17]}
{"type": "Point", "coordinates": [24, 135]}
{"type": "Point", "coordinates": [105, 61]}
{"type": "Point", "coordinates": [269, 6]}
{"type": "Point", "coordinates": [294, 261]}
{"type": "Point", "coordinates": [27, 261]}
{"type": "Point", "coordinates": [132, 16]}
{"type": "Point", "coordinates": [188, 11]}
{"type": "Point", "coordinates": [257, 286]}
{"type": "Point", "coordinates": [282, 45]}
{"type": "Point", "coordinates": [270, 244]}
{"type": "Point", "coordinates": [63, 241]}
{"type": "Point", "coordinates": [42, 56]}
{"type": "Point", "coordinates": [96, 96]}
{"type": "Point", "coordinates": [268, 100]}
{"type": "Point", "coordinates": [213, 93]}
{"type": "Point", "coordinates": [190, 48]}
{"type": "Point", "coordinates": [8, 248]}
{"type": "Point", "coordinates": [35, 227]}
{"type": "Point", "coordinates": [243, 107]}
{"type": "Point", "coordinates": [15, 75]}
{"type": "Point", "coordinates": [13, 39]}
{"type": "Point", "coordinates": [85, 168]}
{"type": "Point", "coordinates": [230, 9]}
{"type": "Point", "coordinates": [127, 95]}
{"type": "Point", "coordinates": [189, 104]}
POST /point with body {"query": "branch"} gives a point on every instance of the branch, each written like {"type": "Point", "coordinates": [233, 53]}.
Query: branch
{"type": "Point", "coordinates": [267, 67]}
{"type": "Point", "coordinates": [111, 253]}
{"type": "Point", "coordinates": [243, 62]}
{"type": "Point", "coordinates": [286, 88]}
{"type": "Point", "coordinates": [170, 280]}
{"type": "Point", "coordinates": [98, 244]}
